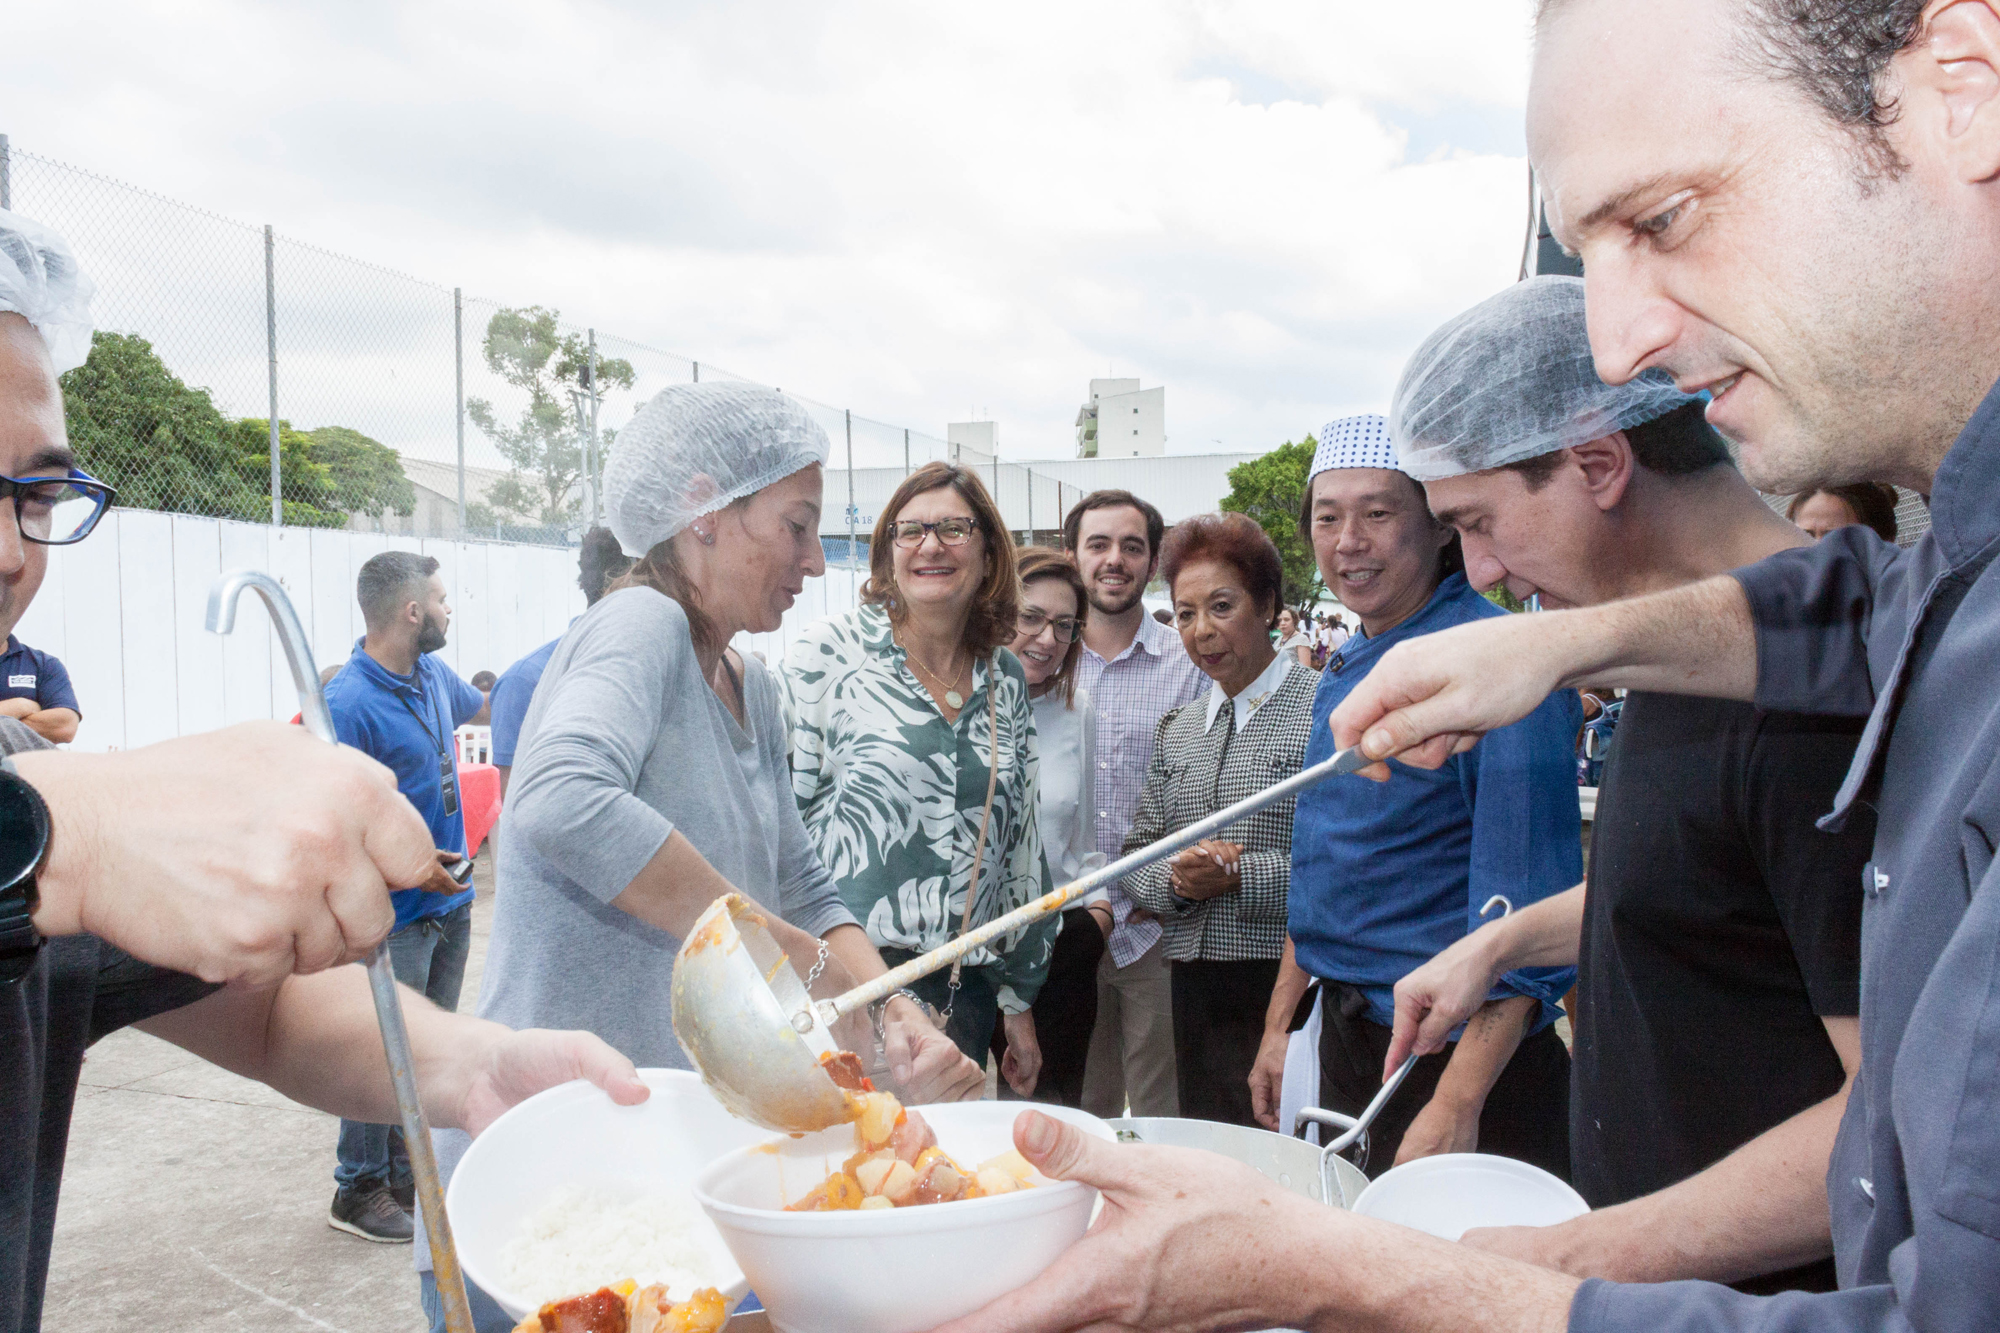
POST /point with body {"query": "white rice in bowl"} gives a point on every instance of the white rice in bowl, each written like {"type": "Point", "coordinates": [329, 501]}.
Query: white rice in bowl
{"type": "Point", "coordinates": [583, 1239]}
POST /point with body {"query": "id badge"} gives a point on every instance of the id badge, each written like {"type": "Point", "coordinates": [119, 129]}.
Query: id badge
{"type": "Point", "coordinates": [448, 781]}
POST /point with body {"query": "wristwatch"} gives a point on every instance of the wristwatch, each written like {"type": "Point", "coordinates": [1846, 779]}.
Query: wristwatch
{"type": "Point", "coordinates": [24, 845]}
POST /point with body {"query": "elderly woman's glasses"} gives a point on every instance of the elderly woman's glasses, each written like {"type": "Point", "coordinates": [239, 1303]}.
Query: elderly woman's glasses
{"type": "Point", "coordinates": [1031, 621]}
{"type": "Point", "coordinates": [951, 531]}
{"type": "Point", "coordinates": [55, 511]}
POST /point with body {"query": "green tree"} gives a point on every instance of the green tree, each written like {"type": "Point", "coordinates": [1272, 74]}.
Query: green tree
{"type": "Point", "coordinates": [163, 445]}
{"type": "Point", "coordinates": [366, 476]}
{"type": "Point", "coordinates": [1269, 490]}
{"type": "Point", "coordinates": [543, 446]}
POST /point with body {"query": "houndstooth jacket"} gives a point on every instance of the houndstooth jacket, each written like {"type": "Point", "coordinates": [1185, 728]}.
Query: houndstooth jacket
{"type": "Point", "coordinates": [1191, 777]}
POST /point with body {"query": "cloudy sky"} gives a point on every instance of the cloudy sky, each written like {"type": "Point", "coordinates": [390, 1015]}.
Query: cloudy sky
{"type": "Point", "coordinates": [920, 210]}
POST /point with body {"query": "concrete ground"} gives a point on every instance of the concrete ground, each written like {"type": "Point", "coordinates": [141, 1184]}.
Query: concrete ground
{"type": "Point", "coordinates": [194, 1199]}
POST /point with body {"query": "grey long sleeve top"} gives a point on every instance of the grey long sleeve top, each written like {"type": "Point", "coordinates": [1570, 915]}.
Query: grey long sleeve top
{"type": "Point", "coordinates": [1912, 639]}
{"type": "Point", "coordinates": [624, 744]}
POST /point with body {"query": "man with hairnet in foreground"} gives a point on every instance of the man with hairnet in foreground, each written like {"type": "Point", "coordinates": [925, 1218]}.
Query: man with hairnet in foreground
{"type": "Point", "coordinates": [1797, 208]}
{"type": "Point", "coordinates": [1719, 945]}
{"type": "Point", "coordinates": [133, 886]}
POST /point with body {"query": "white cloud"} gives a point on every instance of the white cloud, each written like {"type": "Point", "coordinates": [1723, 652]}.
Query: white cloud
{"type": "Point", "coordinates": [909, 208]}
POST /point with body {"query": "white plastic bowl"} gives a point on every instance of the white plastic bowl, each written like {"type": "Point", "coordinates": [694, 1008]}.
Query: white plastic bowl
{"type": "Point", "coordinates": [575, 1135]}
{"type": "Point", "coordinates": [893, 1270]}
{"type": "Point", "coordinates": [1452, 1193]}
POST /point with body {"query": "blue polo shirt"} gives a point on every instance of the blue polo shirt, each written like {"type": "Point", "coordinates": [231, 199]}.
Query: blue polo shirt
{"type": "Point", "coordinates": [512, 694]}
{"type": "Point", "coordinates": [1387, 875]}
{"type": "Point", "coordinates": [406, 722]}
{"type": "Point", "coordinates": [29, 673]}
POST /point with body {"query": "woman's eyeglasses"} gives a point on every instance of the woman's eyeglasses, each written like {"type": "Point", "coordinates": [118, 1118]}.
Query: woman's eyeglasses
{"type": "Point", "coordinates": [55, 511]}
{"type": "Point", "coordinates": [1031, 621]}
{"type": "Point", "coordinates": [951, 531]}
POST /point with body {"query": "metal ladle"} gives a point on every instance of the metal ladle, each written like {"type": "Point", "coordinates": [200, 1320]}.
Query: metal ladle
{"type": "Point", "coordinates": [222, 600]}
{"type": "Point", "coordinates": [759, 1039]}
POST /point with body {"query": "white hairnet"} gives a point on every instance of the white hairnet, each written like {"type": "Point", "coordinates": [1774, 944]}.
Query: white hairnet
{"type": "Point", "coordinates": [696, 447]}
{"type": "Point", "coordinates": [1513, 378]}
{"type": "Point", "coordinates": [40, 281]}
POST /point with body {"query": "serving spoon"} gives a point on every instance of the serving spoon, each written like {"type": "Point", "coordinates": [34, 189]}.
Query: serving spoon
{"type": "Point", "coordinates": [762, 1043]}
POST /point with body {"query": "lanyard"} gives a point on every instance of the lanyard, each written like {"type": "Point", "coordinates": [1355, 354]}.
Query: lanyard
{"type": "Point", "coordinates": [422, 721]}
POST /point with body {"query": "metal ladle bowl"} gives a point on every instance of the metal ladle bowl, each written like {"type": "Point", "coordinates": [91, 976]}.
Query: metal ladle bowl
{"type": "Point", "coordinates": [759, 1039]}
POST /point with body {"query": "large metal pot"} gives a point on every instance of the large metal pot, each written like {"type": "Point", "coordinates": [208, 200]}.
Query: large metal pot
{"type": "Point", "coordinates": [1293, 1163]}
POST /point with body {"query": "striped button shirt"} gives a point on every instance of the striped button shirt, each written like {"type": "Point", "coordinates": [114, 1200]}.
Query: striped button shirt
{"type": "Point", "coordinates": [1131, 693]}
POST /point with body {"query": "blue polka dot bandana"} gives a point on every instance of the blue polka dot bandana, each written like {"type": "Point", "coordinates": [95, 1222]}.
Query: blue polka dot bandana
{"type": "Point", "coordinates": [1354, 442]}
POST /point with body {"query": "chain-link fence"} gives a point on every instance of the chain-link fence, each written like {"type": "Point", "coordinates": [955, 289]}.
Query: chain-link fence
{"type": "Point", "coordinates": [400, 405]}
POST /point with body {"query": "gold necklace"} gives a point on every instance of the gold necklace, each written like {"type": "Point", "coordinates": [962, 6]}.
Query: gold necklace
{"type": "Point", "coordinates": [952, 698]}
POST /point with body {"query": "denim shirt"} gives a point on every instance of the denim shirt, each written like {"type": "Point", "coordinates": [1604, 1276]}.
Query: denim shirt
{"type": "Point", "coordinates": [1912, 639]}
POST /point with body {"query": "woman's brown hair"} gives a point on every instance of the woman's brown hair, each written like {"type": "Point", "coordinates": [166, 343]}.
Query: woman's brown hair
{"type": "Point", "coordinates": [1233, 540]}
{"type": "Point", "coordinates": [1039, 562]}
{"type": "Point", "coordinates": [997, 604]}
{"type": "Point", "coordinates": [661, 570]}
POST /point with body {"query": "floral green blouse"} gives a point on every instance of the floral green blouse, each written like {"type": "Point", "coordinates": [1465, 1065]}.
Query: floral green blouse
{"type": "Point", "coordinates": [891, 794]}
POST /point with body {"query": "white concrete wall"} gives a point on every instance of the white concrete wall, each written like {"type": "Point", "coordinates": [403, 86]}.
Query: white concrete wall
{"type": "Point", "coordinates": [124, 608]}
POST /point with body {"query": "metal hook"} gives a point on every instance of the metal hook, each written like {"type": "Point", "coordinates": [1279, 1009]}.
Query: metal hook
{"type": "Point", "coordinates": [221, 619]}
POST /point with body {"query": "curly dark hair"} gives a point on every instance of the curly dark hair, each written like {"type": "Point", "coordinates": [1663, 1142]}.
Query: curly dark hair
{"type": "Point", "coordinates": [1234, 540]}
{"type": "Point", "coordinates": [1832, 51]}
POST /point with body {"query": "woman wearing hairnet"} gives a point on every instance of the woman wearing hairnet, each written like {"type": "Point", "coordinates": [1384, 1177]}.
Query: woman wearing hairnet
{"type": "Point", "coordinates": [650, 776]}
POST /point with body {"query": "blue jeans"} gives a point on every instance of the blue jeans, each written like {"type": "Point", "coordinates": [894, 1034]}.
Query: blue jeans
{"type": "Point", "coordinates": [427, 956]}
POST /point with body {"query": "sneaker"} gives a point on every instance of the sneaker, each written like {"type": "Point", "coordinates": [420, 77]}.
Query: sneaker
{"type": "Point", "coordinates": [405, 1196]}
{"type": "Point", "coordinates": [369, 1211]}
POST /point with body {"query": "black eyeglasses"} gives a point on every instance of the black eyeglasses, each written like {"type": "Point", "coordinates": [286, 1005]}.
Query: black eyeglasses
{"type": "Point", "coordinates": [56, 511]}
{"type": "Point", "coordinates": [1031, 621]}
{"type": "Point", "coordinates": [951, 531]}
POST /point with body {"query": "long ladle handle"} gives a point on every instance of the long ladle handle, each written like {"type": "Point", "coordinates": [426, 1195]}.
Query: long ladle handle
{"type": "Point", "coordinates": [1346, 761]}
{"type": "Point", "coordinates": [313, 713]}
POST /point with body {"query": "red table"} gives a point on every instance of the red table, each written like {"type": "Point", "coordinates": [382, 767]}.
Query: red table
{"type": "Point", "coordinates": [479, 797]}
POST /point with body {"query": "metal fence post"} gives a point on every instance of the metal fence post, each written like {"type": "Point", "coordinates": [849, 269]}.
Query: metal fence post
{"type": "Point", "coordinates": [697, 372]}
{"type": "Point", "coordinates": [6, 174]}
{"type": "Point", "coordinates": [271, 342]}
{"type": "Point", "coordinates": [1031, 505]}
{"type": "Point", "coordinates": [906, 451]}
{"type": "Point", "coordinates": [592, 461]}
{"type": "Point", "coordinates": [458, 369]}
{"type": "Point", "coordinates": [849, 413]}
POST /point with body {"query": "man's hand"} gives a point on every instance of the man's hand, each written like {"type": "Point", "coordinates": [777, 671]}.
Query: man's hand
{"type": "Point", "coordinates": [1186, 1240]}
{"type": "Point", "coordinates": [1267, 1079]}
{"type": "Point", "coordinates": [925, 1064]}
{"type": "Point", "coordinates": [1023, 1064]}
{"type": "Point", "coordinates": [1432, 697]}
{"type": "Point", "coordinates": [241, 855]}
{"type": "Point", "coordinates": [1191, 1241]}
{"type": "Point", "coordinates": [1438, 996]}
{"type": "Point", "coordinates": [518, 1065]}
{"type": "Point", "coordinates": [1445, 1124]}
{"type": "Point", "coordinates": [1206, 870]}
{"type": "Point", "coordinates": [440, 880]}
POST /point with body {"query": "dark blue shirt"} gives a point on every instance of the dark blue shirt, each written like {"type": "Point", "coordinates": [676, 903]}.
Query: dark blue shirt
{"type": "Point", "coordinates": [406, 722]}
{"type": "Point", "coordinates": [1911, 640]}
{"type": "Point", "coordinates": [29, 673]}
{"type": "Point", "coordinates": [512, 694]}
{"type": "Point", "coordinates": [1387, 875]}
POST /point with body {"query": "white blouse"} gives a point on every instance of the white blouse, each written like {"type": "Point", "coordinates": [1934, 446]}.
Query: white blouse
{"type": "Point", "coordinates": [1067, 739]}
